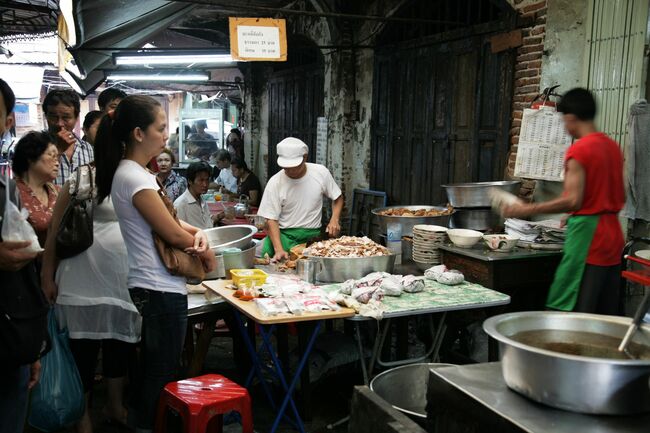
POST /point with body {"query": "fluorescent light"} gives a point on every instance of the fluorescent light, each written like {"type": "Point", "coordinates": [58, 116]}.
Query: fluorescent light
{"type": "Point", "coordinates": [153, 76]}
{"type": "Point", "coordinates": [170, 59]}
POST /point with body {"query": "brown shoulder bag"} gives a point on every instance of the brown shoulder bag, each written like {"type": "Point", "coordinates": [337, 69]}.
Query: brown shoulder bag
{"type": "Point", "coordinates": [177, 261]}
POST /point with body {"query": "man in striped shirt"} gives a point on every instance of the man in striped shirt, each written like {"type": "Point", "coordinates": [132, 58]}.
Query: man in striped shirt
{"type": "Point", "coordinates": [61, 108]}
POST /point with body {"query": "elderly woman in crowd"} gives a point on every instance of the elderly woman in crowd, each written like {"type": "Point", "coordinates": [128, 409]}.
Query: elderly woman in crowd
{"type": "Point", "coordinates": [174, 184]}
{"type": "Point", "coordinates": [35, 166]}
{"type": "Point", "coordinates": [125, 144]}
{"type": "Point", "coordinates": [92, 300]}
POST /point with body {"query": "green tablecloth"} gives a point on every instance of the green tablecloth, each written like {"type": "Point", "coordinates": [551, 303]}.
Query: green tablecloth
{"type": "Point", "coordinates": [439, 297]}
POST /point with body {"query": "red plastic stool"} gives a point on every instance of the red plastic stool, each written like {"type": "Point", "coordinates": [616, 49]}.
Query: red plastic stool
{"type": "Point", "coordinates": [200, 399]}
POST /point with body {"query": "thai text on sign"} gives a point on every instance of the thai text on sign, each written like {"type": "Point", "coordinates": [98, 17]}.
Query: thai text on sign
{"type": "Point", "coordinates": [261, 39]}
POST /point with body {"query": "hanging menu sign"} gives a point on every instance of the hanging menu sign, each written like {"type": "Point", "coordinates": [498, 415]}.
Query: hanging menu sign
{"type": "Point", "coordinates": [543, 141]}
{"type": "Point", "coordinates": [321, 140]}
{"type": "Point", "coordinates": [258, 39]}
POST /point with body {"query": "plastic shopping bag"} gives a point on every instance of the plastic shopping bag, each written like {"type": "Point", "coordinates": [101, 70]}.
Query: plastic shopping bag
{"type": "Point", "coordinates": [58, 397]}
{"type": "Point", "coordinates": [15, 226]}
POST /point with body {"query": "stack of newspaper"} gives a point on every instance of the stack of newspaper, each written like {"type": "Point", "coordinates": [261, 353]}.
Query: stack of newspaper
{"type": "Point", "coordinates": [546, 232]}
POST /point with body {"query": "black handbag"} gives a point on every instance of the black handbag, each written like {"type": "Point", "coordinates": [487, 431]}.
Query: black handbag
{"type": "Point", "coordinates": [75, 233]}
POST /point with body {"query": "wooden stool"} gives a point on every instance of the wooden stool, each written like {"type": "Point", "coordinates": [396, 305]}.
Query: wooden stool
{"type": "Point", "coordinates": [200, 399]}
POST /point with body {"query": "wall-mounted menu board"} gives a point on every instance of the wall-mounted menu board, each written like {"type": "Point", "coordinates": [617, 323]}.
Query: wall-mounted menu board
{"type": "Point", "coordinates": [543, 142]}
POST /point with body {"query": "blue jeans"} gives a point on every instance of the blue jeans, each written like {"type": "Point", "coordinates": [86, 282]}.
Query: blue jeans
{"type": "Point", "coordinates": [13, 398]}
{"type": "Point", "coordinates": [164, 323]}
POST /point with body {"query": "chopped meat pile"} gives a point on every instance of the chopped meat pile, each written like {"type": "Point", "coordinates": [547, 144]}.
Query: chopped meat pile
{"type": "Point", "coordinates": [404, 212]}
{"type": "Point", "coordinates": [346, 246]}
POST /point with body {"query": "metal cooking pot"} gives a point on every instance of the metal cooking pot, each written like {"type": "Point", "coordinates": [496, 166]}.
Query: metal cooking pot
{"type": "Point", "coordinates": [475, 194]}
{"type": "Point", "coordinates": [405, 388]}
{"type": "Point", "coordinates": [237, 236]}
{"type": "Point", "coordinates": [571, 382]}
{"type": "Point", "coordinates": [338, 270]}
{"type": "Point", "coordinates": [475, 219]}
{"type": "Point", "coordinates": [244, 259]}
{"type": "Point", "coordinates": [409, 222]}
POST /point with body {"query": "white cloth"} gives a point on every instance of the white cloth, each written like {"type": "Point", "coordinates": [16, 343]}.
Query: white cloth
{"type": "Point", "coordinates": [227, 179]}
{"type": "Point", "coordinates": [637, 162]}
{"type": "Point", "coordinates": [93, 300]}
{"type": "Point", "coordinates": [298, 203]}
{"type": "Point", "coordinates": [193, 211]}
{"type": "Point", "coordinates": [146, 269]}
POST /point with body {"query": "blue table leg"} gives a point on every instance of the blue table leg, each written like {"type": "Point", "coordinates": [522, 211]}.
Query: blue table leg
{"type": "Point", "coordinates": [258, 367]}
{"type": "Point", "coordinates": [294, 381]}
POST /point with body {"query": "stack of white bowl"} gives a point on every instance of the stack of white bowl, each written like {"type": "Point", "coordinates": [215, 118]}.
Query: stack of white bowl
{"type": "Point", "coordinates": [426, 240]}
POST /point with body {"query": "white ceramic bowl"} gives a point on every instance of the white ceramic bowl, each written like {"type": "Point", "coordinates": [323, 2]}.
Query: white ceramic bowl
{"type": "Point", "coordinates": [502, 243]}
{"type": "Point", "coordinates": [464, 238]}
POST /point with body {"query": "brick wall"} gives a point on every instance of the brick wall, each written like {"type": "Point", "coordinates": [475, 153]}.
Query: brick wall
{"type": "Point", "coordinates": [528, 68]}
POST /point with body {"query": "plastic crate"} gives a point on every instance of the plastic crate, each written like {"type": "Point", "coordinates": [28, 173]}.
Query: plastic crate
{"type": "Point", "coordinates": [248, 277]}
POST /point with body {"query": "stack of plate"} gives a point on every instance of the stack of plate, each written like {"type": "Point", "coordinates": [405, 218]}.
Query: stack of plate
{"type": "Point", "coordinates": [426, 240]}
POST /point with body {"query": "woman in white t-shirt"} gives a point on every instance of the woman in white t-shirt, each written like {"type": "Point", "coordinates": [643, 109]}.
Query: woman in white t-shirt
{"type": "Point", "coordinates": [126, 141]}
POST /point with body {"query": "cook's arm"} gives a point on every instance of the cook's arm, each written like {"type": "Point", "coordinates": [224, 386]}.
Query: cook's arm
{"type": "Point", "coordinates": [274, 233]}
{"type": "Point", "coordinates": [334, 227]}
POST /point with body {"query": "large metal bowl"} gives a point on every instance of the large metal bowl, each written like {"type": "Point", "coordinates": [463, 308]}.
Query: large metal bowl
{"type": "Point", "coordinates": [238, 236]}
{"type": "Point", "coordinates": [475, 194]}
{"type": "Point", "coordinates": [405, 388]}
{"type": "Point", "coordinates": [475, 219]}
{"type": "Point", "coordinates": [576, 383]}
{"type": "Point", "coordinates": [338, 270]}
{"type": "Point", "coordinates": [409, 222]}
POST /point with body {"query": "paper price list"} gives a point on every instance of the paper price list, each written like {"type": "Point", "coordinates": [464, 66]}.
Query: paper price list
{"type": "Point", "coordinates": [542, 144]}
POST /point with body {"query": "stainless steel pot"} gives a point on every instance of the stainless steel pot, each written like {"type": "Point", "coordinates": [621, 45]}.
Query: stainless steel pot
{"type": "Point", "coordinates": [409, 222]}
{"type": "Point", "coordinates": [244, 259]}
{"type": "Point", "coordinates": [475, 219]}
{"type": "Point", "coordinates": [238, 236]}
{"type": "Point", "coordinates": [475, 194]}
{"type": "Point", "coordinates": [405, 388]}
{"type": "Point", "coordinates": [571, 382]}
{"type": "Point", "coordinates": [338, 270]}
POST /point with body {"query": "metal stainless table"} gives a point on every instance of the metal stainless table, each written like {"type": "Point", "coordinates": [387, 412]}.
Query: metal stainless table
{"type": "Point", "coordinates": [206, 312]}
{"type": "Point", "coordinates": [475, 398]}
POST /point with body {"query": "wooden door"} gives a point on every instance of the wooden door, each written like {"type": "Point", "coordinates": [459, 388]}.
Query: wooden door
{"type": "Point", "coordinates": [440, 115]}
{"type": "Point", "coordinates": [295, 103]}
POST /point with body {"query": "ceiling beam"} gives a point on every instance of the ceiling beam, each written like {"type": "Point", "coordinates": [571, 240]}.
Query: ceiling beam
{"type": "Point", "coordinates": [25, 7]}
{"type": "Point", "coordinates": [238, 8]}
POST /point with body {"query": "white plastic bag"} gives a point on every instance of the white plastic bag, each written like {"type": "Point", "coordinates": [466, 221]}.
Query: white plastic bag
{"type": "Point", "coordinates": [15, 227]}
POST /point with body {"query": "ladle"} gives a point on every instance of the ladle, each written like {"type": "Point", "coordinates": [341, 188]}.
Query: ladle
{"type": "Point", "coordinates": [638, 316]}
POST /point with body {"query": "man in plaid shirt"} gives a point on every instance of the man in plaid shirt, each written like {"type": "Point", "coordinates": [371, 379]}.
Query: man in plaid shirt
{"type": "Point", "coordinates": [61, 108]}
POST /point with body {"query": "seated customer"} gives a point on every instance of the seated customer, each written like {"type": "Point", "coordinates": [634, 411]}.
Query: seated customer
{"type": "Point", "coordinates": [190, 207]}
{"type": "Point", "coordinates": [226, 179]}
{"type": "Point", "coordinates": [247, 183]}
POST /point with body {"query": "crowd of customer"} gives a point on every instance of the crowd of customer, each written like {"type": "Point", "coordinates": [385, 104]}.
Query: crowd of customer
{"type": "Point", "coordinates": [118, 292]}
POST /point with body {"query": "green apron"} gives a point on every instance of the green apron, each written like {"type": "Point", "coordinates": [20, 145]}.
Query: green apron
{"type": "Point", "coordinates": [563, 294]}
{"type": "Point", "coordinates": [289, 238]}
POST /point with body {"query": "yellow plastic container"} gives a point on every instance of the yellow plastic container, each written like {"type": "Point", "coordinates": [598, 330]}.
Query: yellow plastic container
{"type": "Point", "coordinates": [248, 277]}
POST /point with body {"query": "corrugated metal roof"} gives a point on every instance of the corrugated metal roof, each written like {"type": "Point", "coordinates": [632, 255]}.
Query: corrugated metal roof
{"type": "Point", "coordinates": [28, 16]}
{"type": "Point", "coordinates": [38, 49]}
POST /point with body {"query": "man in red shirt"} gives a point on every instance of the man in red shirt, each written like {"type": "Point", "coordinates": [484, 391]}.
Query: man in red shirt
{"type": "Point", "coordinates": [587, 279]}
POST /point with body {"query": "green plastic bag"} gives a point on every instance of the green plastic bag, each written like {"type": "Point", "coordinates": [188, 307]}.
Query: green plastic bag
{"type": "Point", "coordinates": [58, 397]}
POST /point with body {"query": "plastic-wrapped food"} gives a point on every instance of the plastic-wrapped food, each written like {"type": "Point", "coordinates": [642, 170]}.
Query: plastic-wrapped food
{"type": "Point", "coordinates": [411, 284]}
{"type": "Point", "coordinates": [365, 294]}
{"type": "Point", "coordinates": [451, 278]}
{"type": "Point", "coordinates": [374, 309]}
{"type": "Point", "coordinates": [435, 272]}
{"type": "Point", "coordinates": [392, 285]}
{"type": "Point", "coordinates": [295, 306]}
{"type": "Point", "coordinates": [271, 306]}
{"type": "Point", "coordinates": [372, 279]}
{"type": "Point", "coordinates": [347, 286]}
{"type": "Point", "coordinates": [344, 300]}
